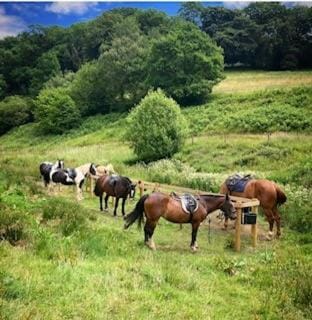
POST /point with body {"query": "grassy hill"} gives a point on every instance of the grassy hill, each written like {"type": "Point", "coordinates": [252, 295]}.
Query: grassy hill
{"type": "Point", "coordinates": [70, 261]}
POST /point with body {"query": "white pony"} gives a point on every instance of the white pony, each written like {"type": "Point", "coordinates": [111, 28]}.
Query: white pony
{"type": "Point", "coordinates": [74, 176]}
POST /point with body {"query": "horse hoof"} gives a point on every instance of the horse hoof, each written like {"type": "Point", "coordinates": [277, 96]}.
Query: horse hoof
{"type": "Point", "coordinates": [150, 246]}
{"type": "Point", "coordinates": [269, 236]}
{"type": "Point", "coordinates": [193, 249]}
{"type": "Point", "coordinates": [105, 209]}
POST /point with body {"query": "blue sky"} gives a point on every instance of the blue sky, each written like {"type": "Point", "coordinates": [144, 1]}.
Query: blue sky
{"type": "Point", "coordinates": [16, 16]}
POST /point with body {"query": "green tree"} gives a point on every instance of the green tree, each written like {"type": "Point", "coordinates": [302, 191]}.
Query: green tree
{"type": "Point", "coordinates": [88, 90]}
{"type": "Point", "coordinates": [123, 66]}
{"type": "Point", "coordinates": [186, 64]}
{"type": "Point", "coordinates": [14, 111]}
{"type": "Point", "coordinates": [47, 67]}
{"type": "Point", "coordinates": [56, 111]}
{"type": "Point", "coordinates": [156, 127]}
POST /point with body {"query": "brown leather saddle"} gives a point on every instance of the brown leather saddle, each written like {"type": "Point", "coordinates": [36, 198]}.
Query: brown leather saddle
{"type": "Point", "coordinates": [188, 202]}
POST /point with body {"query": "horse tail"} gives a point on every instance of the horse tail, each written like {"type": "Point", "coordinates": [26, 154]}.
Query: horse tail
{"type": "Point", "coordinates": [281, 197]}
{"type": "Point", "coordinates": [136, 214]}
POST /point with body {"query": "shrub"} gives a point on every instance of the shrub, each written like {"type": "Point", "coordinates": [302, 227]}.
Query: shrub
{"type": "Point", "coordinates": [296, 212]}
{"type": "Point", "coordinates": [12, 224]}
{"type": "Point", "coordinates": [156, 127]}
{"type": "Point", "coordinates": [14, 111]}
{"type": "Point", "coordinates": [70, 215]}
{"type": "Point", "coordinates": [56, 112]}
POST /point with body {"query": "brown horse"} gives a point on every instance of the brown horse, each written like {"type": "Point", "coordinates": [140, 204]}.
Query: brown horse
{"type": "Point", "coordinates": [159, 205]}
{"type": "Point", "coordinates": [270, 196]}
{"type": "Point", "coordinates": [116, 186]}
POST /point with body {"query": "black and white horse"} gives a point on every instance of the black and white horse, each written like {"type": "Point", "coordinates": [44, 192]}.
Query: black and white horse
{"type": "Point", "coordinates": [73, 176]}
{"type": "Point", "coordinates": [46, 168]}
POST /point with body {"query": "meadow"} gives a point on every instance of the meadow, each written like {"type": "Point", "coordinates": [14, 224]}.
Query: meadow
{"type": "Point", "coordinates": [66, 260]}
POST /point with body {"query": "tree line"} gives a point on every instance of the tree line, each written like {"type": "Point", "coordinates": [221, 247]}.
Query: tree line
{"type": "Point", "coordinates": [110, 63]}
{"type": "Point", "coordinates": [264, 35]}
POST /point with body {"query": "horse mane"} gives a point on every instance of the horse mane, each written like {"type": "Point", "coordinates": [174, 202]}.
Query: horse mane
{"type": "Point", "coordinates": [126, 179]}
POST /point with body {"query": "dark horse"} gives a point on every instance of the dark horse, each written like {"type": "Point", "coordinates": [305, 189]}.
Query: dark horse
{"type": "Point", "coordinates": [270, 196]}
{"type": "Point", "coordinates": [115, 186]}
{"type": "Point", "coordinates": [159, 205]}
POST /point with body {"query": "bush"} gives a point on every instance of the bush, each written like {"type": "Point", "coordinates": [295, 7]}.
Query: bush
{"type": "Point", "coordinates": [71, 216]}
{"type": "Point", "coordinates": [296, 212]}
{"type": "Point", "coordinates": [56, 112]}
{"type": "Point", "coordinates": [156, 127]}
{"type": "Point", "coordinates": [14, 111]}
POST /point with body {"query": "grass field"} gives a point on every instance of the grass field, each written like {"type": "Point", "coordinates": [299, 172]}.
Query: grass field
{"type": "Point", "coordinates": [73, 262]}
{"type": "Point", "coordinates": [248, 81]}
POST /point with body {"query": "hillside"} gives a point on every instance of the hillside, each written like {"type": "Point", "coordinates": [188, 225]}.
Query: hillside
{"type": "Point", "coordinates": [68, 260]}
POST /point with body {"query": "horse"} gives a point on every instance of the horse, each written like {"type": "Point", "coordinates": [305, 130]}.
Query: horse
{"type": "Point", "coordinates": [115, 186]}
{"type": "Point", "coordinates": [45, 169]}
{"type": "Point", "coordinates": [73, 176]}
{"type": "Point", "coordinates": [101, 171]}
{"type": "Point", "coordinates": [270, 196]}
{"type": "Point", "coordinates": [158, 205]}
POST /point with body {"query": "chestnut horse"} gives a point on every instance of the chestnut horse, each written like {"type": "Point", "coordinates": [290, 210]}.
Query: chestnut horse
{"type": "Point", "coordinates": [270, 196]}
{"type": "Point", "coordinates": [115, 186]}
{"type": "Point", "coordinates": [158, 205]}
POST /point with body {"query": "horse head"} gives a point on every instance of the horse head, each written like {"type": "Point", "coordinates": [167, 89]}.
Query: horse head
{"type": "Point", "coordinates": [59, 164]}
{"type": "Point", "coordinates": [228, 208]}
{"type": "Point", "coordinates": [93, 169]}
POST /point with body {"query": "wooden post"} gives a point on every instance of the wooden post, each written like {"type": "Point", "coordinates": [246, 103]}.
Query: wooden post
{"type": "Point", "coordinates": [254, 228]}
{"type": "Point", "coordinates": [141, 187]}
{"type": "Point", "coordinates": [238, 228]}
{"type": "Point", "coordinates": [91, 186]}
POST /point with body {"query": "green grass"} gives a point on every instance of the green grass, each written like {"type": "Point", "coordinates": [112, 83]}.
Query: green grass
{"type": "Point", "coordinates": [72, 262]}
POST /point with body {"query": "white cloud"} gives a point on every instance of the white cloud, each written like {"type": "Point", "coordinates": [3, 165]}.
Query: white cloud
{"type": "Point", "coordinates": [10, 25]}
{"type": "Point", "coordinates": [77, 8]}
{"type": "Point", "coordinates": [236, 4]}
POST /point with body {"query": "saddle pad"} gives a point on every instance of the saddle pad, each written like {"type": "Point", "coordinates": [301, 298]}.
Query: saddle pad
{"type": "Point", "coordinates": [188, 202]}
{"type": "Point", "coordinates": [237, 183]}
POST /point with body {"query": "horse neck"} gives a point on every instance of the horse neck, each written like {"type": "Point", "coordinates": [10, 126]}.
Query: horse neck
{"type": "Point", "coordinates": [212, 202]}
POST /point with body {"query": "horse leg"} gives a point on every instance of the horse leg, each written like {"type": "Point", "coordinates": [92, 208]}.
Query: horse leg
{"type": "Point", "coordinates": [106, 200]}
{"type": "Point", "coordinates": [149, 228]}
{"type": "Point", "coordinates": [226, 222]}
{"type": "Point", "coordinates": [101, 202]}
{"type": "Point", "coordinates": [270, 217]}
{"type": "Point", "coordinates": [277, 219]}
{"type": "Point", "coordinates": [123, 206]}
{"type": "Point", "coordinates": [195, 226]}
{"type": "Point", "coordinates": [116, 206]}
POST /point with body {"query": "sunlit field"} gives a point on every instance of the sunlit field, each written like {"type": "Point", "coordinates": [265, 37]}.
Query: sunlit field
{"type": "Point", "coordinates": [248, 81]}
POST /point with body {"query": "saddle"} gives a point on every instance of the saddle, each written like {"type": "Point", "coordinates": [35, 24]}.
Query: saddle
{"type": "Point", "coordinates": [188, 202]}
{"type": "Point", "coordinates": [237, 183]}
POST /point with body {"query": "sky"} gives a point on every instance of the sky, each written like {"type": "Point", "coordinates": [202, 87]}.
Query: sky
{"type": "Point", "coordinates": [16, 16]}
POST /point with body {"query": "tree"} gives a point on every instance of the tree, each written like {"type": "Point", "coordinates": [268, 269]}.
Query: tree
{"type": "Point", "coordinates": [47, 67]}
{"type": "Point", "coordinates": [185, 63]}
{"type": "Point", "coordinates": [123, 66]}
{"type": "Point", "coordinates": [192, 11]}
{"type": "Point", "coordinates": [88, 90]}
{"type": "Point", "coordinates": [56, 111]}
{"type": "Point", "coordinates": [14, 111]}
{"type": "Point", "coordinates": [156, 127]}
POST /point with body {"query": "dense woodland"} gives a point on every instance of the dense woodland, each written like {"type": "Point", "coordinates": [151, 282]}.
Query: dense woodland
{"type": "Point", "coordinates": [124, 52]}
